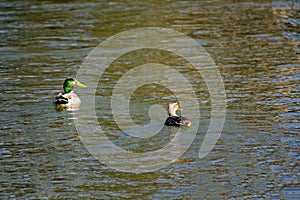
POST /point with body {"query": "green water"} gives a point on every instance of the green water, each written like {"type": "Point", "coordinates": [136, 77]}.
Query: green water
{"type": "Point", "coordinates": [256, 46]}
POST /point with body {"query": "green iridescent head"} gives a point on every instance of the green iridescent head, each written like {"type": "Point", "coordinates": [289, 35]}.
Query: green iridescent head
{"type": "Point", "coordinates": [70, 83]}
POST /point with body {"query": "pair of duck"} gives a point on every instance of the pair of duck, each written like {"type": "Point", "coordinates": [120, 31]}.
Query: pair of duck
{"type": "Point", "coordinates": [68, 98]}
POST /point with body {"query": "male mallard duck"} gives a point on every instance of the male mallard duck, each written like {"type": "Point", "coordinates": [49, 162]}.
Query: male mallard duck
{"type": "Point", "coordinates": [68, 98]}
{"type": "Point", "coordinates": [174, 119]}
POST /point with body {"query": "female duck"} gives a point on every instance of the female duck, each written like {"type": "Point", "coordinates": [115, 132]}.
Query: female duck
{"type": "Point", "coordinates": [174, 119]}
{"type": "Point", "coordinates": [68, 98]}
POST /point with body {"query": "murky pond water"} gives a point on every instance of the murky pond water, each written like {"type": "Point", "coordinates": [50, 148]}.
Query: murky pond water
{"type": "Point", "coordinates": [256, 46]}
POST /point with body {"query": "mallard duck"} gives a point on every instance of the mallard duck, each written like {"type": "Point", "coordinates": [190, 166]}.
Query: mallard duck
{"type": "Point", "coordinates": [68, 98]}
{"type": "Point", "coordinates": [174, 119]}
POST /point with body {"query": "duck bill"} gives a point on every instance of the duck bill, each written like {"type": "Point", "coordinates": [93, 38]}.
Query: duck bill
{"type": "Point", "coordinates": [80, 84]}
{"type": "Point", "coordinates": [179, 108]}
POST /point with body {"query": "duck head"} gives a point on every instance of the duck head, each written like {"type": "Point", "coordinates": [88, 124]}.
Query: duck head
{"type": "Point", "coordinates": [172, 108]}
{"type": "Point", "coordinates": [70, 83]}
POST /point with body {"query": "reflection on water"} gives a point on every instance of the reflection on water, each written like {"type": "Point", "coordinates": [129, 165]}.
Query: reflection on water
{"type": "Point", "coordinates": [254, 44]}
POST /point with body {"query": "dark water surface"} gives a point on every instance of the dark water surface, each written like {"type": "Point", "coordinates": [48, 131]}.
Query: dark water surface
{"type": "Point", "coordinates": [256, 45]}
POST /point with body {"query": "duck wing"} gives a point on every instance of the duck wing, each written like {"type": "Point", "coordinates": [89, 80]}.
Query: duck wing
{"type": "Point", "coordinates": [185, 121]}
{"type": "Point", "coordinates": [177, 121]}
{"type": "Point", "coordinates": [60, 99]}
{"type": "Point", "coordinates": [173, 121]}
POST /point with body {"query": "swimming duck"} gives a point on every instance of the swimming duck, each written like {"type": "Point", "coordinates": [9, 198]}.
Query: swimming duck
{"type": "Point", "coordinates": [174, 119]}
{"type": "Point", "coordinates": [68, 98]}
